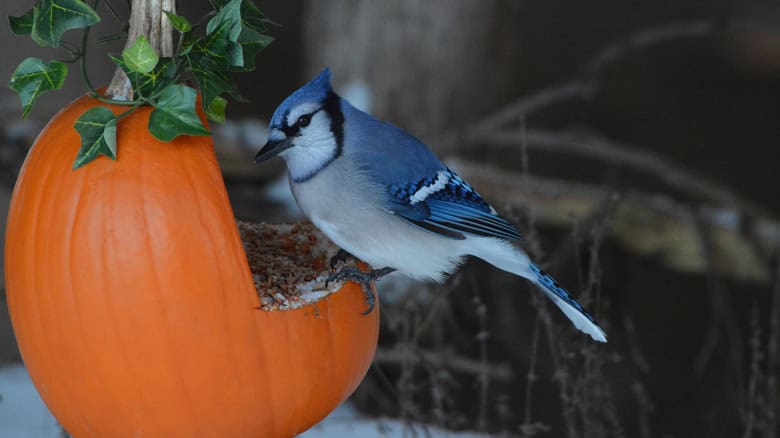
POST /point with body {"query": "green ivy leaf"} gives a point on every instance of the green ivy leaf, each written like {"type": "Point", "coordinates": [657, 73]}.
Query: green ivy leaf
{"type": "Point", "coordinates": [215, 50]}
{"type": "Point", "coordinates": [247, 18]}
{"type": "Point", "coordinates": [140, 57]}
{"type": "Point", "coordinates": [147, 84]}
{"type": "Point", "coordinates": [23, 24]}
{"type": "Point", "coordinates": [233, 39]}
{"type": "Point", "coordinates": [216, 110]}
{"type": "Point", "coordinates": [52, 18]}
{"type": "Point", "coordinates": [216, 4]}
{"type": "Point", "coordinates": [175, 115]}
{"type": "Point", "coordinates": [213, 83]}
{"type": "Point", "coordinates": [235, 54]}
{"type": "Point", "coordinates": [188, 43]}
{"type": "Point", "coordinates": [97, 128]}
{"type": "Point", "coordinates": [252, 42]}
{"type": "Point", "coordinates": [229, 15]}
{"type": "Point", "coordinates": [178, 22]}
{"type": "Point", "coordinates": [233, 36]}
{"type": "Point", "coordinates": [34, 77]}
{"type": "Point", "coordinates": [251, 16]}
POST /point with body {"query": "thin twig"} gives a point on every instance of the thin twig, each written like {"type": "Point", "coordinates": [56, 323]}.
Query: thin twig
{"type": "Point", "coordinates": [721, 309]}
{"type": "Point", "coordinates": [531, 378]}
{"type": "Point", "coordinates": [751, 397]}
{"type": "Point", "coordinates": [483, 379]}
{"type": "Point", "coordinates": [644, 403]}
{"type": "Point", "coordinates": [773, 344]}
{"type": "Point", "coordinates": [461, 364]}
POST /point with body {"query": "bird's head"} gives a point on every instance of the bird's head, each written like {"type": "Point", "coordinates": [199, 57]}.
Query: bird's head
{"type": "Point", "coordinates": [306, 129]}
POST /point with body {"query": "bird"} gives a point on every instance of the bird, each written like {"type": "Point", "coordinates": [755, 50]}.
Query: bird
{"type": "Point", "coordinates": [381, 195]}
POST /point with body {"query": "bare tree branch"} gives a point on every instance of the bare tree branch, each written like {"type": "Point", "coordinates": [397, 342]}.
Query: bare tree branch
{"type": "Point", "coordinates": [647, 224]}
{"type": "Point", "coordinates": [585, 84]}
{"type": "Point", "coordinates": [621, 154]}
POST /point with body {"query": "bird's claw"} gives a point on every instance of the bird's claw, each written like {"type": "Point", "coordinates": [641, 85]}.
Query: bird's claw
{"type": "Point", "coordinates": [362, 278]}
{"type": "Point", "coordinates": [370, 299]}
{"type": "Point", "coordinates": [341, 256]}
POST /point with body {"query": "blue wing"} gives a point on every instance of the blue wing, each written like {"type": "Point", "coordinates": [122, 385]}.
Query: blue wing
{"type": "Point", "coordinates": [421, 189]}
{"type": "Point", "coordinates": [447, 205]}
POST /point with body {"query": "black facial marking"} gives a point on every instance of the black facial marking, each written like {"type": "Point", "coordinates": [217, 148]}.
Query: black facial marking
{"type": "Point", "coordinates": [333, 108]}
{"type": "Point", "coordinates": [331, 105]}
{"type": "Point", "coordinates": [291, 131]}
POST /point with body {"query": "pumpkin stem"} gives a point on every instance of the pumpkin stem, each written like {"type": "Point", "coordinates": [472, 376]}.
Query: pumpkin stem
{"type": "Point", "coordinates": [147, 19]}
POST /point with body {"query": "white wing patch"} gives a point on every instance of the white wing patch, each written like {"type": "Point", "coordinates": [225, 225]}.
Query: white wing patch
{"type": "Point", "coordinates": [442, 178]}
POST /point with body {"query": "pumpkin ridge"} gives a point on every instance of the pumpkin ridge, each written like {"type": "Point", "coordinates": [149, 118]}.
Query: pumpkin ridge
{"type": "Point", "coordinates": [110, 309]}
{"type": "Point", "coordinates": [296, 378]}
{"type": "Point", "coordinates": [139, 191]}
{"type": "Point", "coordinates": [227, 321]}
{"type": "Point", "coordinates": [259, 321]}
{"type": "Point", "coordinates": [51, 335]}
{"type": "Point", "coordinates": [325, 314]}
{"type": "Point", "coordinates": [69, 282]}
{"type": "Point", "coordinates": [332, 347]}
{"type": "Point", "coordinates": [170, 352]}
{"type": "Point", "coordinates": [12, 247]}
{"type": "Point", "coordinates": [11, 243]}
{"type": "Point", "coordinates": [13, 300]}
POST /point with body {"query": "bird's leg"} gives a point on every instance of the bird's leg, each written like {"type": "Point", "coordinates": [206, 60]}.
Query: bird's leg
{"type": "Point", "coordinates": [341, 256]}
{"type": "Point", "coordinates": [363, 278]}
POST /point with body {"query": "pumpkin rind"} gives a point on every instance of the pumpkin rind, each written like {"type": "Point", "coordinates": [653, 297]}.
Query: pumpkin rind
{"type": "Point", "coordinates": [133, 304]}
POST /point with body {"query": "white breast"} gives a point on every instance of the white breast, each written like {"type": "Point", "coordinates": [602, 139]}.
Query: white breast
{"type": "Point", "coordinates": [349, 209]}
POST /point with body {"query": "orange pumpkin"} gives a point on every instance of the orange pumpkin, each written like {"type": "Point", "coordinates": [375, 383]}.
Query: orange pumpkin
{"type": "Point", "coordinates": [134, 306]}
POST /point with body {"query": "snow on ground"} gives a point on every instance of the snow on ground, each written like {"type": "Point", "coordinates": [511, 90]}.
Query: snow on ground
{"type": "Point", "coordinates": [345, 421]}
{"type": "Point", "coordinates": [23, 415]}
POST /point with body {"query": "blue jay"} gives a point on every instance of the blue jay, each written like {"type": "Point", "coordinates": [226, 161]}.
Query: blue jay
{"type": "Point", "coordinates": [382, 196]}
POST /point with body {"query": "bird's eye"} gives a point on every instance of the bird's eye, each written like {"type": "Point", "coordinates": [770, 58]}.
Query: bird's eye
{"type": "Point", "coordinates": [303, 121]}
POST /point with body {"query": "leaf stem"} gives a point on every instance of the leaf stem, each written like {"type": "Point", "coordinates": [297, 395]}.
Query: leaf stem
{"type": "Point", "coordinates": [120, 116]}
{"type": "Point", "coordinates": [92, 91]}
{"type": "Point", "coordinates": [69, 46]}
{"type": "Point", "coordinates": [84, 75]}
{"type": "Point", "coordinates": [179, 44]}
{"type": "Point", "coordinates": [207, 16]}
{"type": "Point", "coordinates": [74, 58]}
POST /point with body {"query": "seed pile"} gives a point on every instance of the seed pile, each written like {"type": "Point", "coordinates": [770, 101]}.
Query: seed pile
{"type": "Point", "coordinates": [289, 263]}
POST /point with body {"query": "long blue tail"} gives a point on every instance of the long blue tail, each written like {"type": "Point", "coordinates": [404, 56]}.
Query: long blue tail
{"type": "Point", "coordinates": [570, 307]}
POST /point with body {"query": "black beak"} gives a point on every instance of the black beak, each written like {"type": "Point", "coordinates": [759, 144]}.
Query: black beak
{"type": "Point", "coordinates": [272, 149]}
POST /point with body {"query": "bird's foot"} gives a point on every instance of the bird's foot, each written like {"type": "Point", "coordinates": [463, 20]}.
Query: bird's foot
{"type": "Point", "coordinates": [341, 256]}
{"type": "Point", "coordinates": [362, 278]}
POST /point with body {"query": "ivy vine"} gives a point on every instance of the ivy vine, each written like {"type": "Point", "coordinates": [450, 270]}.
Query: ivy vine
{"type": "Point", "coordinates": [224, 42]}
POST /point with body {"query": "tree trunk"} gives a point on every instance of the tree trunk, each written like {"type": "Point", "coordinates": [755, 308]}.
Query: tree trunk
{"type": "Point", "coordinates": [430, 65]}
{"type": "Point", "coordinates": [147, 19]}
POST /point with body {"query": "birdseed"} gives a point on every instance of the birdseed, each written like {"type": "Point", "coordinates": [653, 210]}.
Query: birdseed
{"type": "Point", "coordinates": [289, 263]}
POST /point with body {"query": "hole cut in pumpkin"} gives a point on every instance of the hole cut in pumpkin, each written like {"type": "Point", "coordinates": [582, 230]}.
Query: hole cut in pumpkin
{"type": "Point", "coordinates": [290, 263]}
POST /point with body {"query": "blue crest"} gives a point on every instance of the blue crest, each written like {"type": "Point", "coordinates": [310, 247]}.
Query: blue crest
{"type": "Point", "coordinates": [315, 91]}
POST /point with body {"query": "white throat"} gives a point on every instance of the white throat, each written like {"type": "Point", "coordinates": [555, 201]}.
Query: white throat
{"type": "Point", "coordinates": [313, 149]}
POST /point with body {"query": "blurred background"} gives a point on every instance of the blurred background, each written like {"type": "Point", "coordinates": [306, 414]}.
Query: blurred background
{"type": "Point", "coordinates": [633, 143]}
